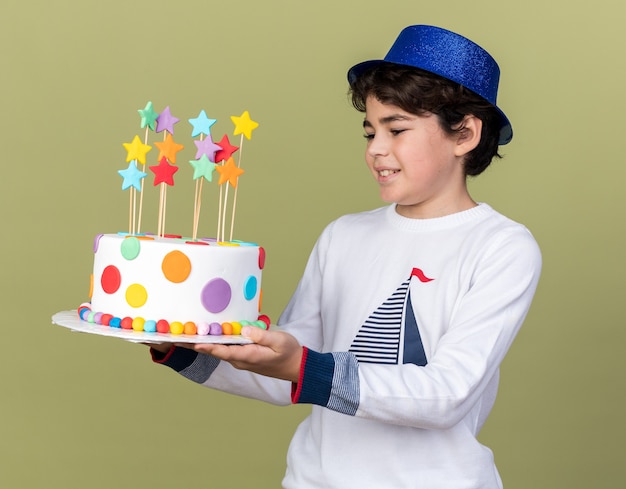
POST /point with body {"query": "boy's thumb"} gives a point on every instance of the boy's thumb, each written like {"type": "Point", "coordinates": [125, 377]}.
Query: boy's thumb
{"type": "Point", "coordinates": [253, 333]}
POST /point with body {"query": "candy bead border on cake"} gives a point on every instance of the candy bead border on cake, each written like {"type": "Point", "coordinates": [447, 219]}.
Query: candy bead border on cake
{"type": "Point", "coordinates": [162, 326]}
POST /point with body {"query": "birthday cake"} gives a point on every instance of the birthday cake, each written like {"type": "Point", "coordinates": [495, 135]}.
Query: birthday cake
{"type": "Point", "coordinates": [173, 285]}
{"type": "Point", "coordinates": [164, 283]}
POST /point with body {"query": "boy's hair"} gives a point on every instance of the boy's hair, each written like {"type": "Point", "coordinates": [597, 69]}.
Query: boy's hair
{"type": "Point", "coordinates": [419, 92]}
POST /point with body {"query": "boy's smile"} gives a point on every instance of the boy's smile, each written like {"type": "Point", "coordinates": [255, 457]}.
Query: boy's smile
{"type": "Point", "coordinates": [416, 164]}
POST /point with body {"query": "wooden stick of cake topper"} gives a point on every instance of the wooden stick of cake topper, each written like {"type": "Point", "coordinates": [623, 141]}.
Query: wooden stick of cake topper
{"type": "Point", "coordinates": [148, 121]}
{"type": "Point", "coordinates": [228, 173]}
{"type": "Point", "coordinates": [244, 126]}
{"type": "Point", "coordinates": [232, 219]}
{"type": "Point", "coordinates": [135, 152]}
{"type": "Point", "coordinates": [164, 171]}
{"type": "Point", "coordinates": [204, 164]}
{"type": "Point", "coordinates": [197, 201]}
{"type": "Point", "coordinates": [222, 156]}
{"type": "Point", "coordinates": [219, 210]}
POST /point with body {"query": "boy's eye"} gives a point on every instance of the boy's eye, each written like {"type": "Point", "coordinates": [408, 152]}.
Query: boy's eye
{"type": "Point", "coordinates": [395, 132]}
{"type": "Point", "coordinates": [368, 137]}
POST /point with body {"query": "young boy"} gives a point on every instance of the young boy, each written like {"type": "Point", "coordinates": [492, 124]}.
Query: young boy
{"type": "Point", "coordinates": [403, 315]}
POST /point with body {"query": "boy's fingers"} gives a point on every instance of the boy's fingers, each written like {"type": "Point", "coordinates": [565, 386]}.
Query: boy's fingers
{"type": "Point", "coordinates": [257, 335]}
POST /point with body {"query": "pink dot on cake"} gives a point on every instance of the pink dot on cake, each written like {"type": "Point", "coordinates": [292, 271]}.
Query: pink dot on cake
{"type": "Point", "coordinates": [203, 328]}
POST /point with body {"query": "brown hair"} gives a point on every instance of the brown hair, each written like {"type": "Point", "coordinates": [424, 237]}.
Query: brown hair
{"type": "Point", "coordinates": [419, 92]}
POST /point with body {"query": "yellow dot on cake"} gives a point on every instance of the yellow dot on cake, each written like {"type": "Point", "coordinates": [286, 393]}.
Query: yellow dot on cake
{"type": "Point", "coordinates": [136, 295]}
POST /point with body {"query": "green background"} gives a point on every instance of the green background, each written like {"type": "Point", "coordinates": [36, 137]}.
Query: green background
{"type": "Point", "coordinates": [82, 411]}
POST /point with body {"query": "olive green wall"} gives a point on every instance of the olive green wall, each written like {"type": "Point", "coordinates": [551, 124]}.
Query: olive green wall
{"type": "Point", "coordinates": [81, 411]}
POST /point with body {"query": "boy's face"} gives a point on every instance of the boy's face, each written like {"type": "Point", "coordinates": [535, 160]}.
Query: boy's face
{"type": "Point", "coordinates": [415, 163]}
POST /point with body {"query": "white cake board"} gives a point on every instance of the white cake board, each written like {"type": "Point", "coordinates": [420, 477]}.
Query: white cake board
{"type": "Point", "coordinates": [70, 319]}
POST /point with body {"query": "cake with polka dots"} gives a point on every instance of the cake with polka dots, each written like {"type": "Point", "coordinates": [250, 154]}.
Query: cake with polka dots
{"type": "Point", "coordinates": [171, 284]}
{"type": "Point", "coordinates": [164, 283]}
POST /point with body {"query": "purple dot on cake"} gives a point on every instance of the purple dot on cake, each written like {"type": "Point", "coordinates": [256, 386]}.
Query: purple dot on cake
{"type": "Point", "coordinates": [96, 242]}
{"type": "Point", "coordinates": [216, 295]}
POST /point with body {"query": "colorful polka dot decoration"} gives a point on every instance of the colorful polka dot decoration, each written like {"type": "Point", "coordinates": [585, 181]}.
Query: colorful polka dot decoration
{"type": "Point", "coordinates": [130, 248]}
{"type": "Point", "coordinates": [136, 295]}
{"type": "Point", "coordinates": [216, 295]}
{"type": "Point", "coordinates": [250, 288]}
{"type": "Point", "coordinates": [110, 279]}
{"type": "Point", "coordinates": [131, 270]}
{"type": "Point", "coordinates": [176, 267]}
{"type": "Point", "coordinates": [96, 242]}
{"type": "Point", "coordinates": [140, 324]}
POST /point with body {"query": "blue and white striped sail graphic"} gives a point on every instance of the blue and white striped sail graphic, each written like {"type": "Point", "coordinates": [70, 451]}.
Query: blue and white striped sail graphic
{"type": "Point", "coordinates": [379, 338]}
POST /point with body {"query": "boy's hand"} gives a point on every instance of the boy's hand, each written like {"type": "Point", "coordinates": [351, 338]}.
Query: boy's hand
{"type": "Point", "coordinates": [273, 353]}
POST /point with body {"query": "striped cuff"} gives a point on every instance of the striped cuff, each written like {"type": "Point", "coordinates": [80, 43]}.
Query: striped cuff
{"type": "Point", "coordinates": [328, 379]}
{"type": "Point", "coordinates": [189, 363]}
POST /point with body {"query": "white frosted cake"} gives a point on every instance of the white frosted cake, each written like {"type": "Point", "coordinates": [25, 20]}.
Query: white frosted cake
{"type": "Point", "coordinates": [175, 285]}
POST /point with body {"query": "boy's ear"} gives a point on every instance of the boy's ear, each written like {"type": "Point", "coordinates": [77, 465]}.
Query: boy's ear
{"type": "Point", "coordinates": [468, 135]}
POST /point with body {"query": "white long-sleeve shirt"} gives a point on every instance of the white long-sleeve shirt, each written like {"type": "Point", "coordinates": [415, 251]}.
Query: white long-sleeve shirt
{"type": "Point", "coordinates": [405, 323]}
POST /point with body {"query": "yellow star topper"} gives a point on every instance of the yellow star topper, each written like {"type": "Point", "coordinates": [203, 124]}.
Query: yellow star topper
{"type": "Point", "coordinates": [244, 125]}
{"type": "Point", "coordinates": [136, 150]}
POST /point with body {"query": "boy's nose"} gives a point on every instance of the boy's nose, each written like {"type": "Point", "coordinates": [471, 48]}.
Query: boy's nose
{"type": "Point", "coordinates": [377, 147]}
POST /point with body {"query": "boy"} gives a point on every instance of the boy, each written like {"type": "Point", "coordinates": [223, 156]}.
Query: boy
{"type": "Point", "coordinates": [403, 315]}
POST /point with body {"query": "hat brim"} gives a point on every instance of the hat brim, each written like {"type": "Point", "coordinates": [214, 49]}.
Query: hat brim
{"type": "Point", "coordinates": [506, 130]}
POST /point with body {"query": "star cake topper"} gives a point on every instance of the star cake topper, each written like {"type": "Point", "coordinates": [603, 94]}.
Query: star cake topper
{"type": "Point", "coordinates": [136, 150]}
{"type": "Point", "coordinates": [203, 167]}
{"type": "Point", "coordinates": [164, 172]}
{"type": "Point", "coordinates": [201, 124]}
{"type": "Point", "coordinates": [206, 147]}
{"type": "Point", "coordinates": [132, 176]}
{"type": "Point", "coordinates": [148, 116]}
{"type": "Point", "coordinates": [244, 125]}
{"type": "Point", "coordinates": [229, 172]}
{"type": "Point", "coordinates": [168, 148]}
{"type": "Point", "coordinates": [227, 149]}
{"type": "Point", "coordinates": [165, 121]}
